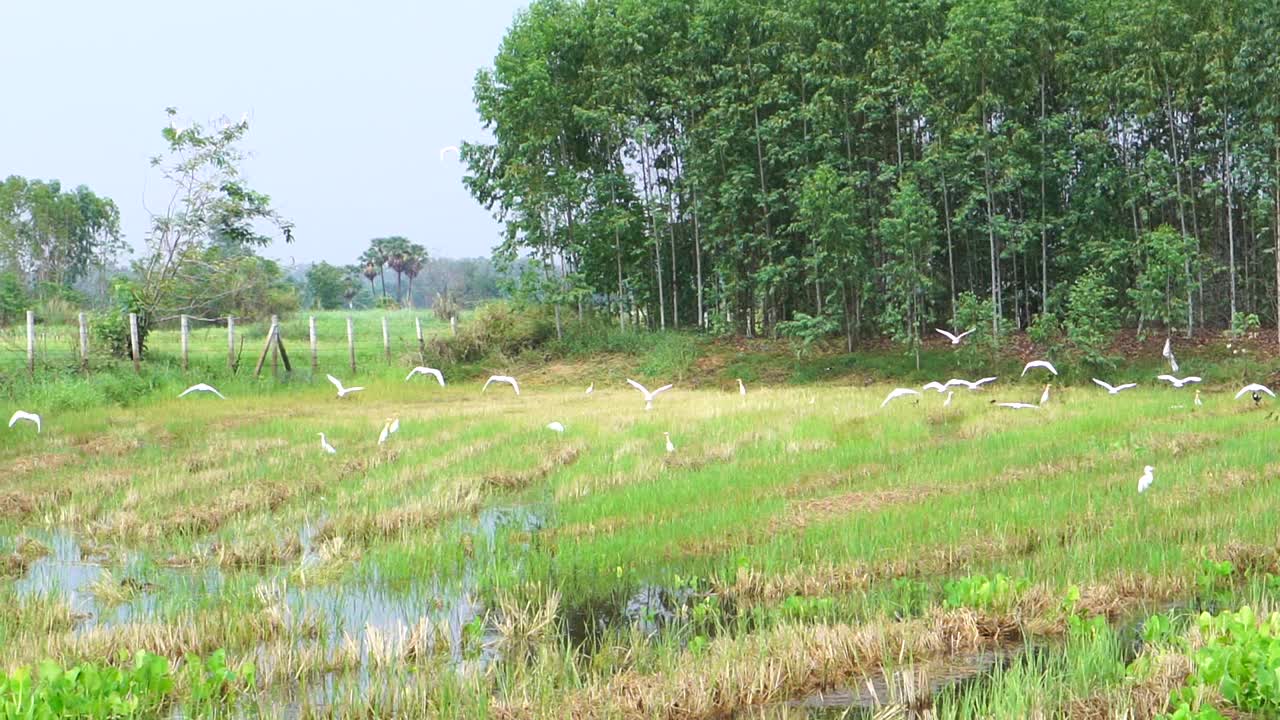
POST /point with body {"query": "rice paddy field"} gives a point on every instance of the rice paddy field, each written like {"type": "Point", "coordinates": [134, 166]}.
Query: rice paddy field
{"type": "Point", "coordinates": [801, 553]}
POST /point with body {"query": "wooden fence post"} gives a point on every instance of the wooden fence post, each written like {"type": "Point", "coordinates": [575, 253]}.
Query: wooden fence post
{"type": "Point", "coordinates": [133, 343]}
{"type": "Point", "coordinates": [275, 353]}
{"type": "Point", "coordinates": [453, 324]}
{"type": "Point", "coordinates": [422, 345]}
{"type": "Point", "coordinates": [351, 343]}
{"type": "Point", "coordinates": [31, 341]}
{"type": "Point", "coordinates": [315, 359]}
{"type": "Point", "coordinates": [231, 343]}
{"type": "Point", "coordinates": [186, 341]}
{"type": "Point", "coordinates": [84, 343]}
{"type": "Point", "coordinates": [386, 340]}
{"type": "Point", "coordinates": [271, 339]}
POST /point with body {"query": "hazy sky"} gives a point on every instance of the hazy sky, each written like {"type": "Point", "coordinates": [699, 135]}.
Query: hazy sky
{"type": "Point", "coordinates": [349, 104]}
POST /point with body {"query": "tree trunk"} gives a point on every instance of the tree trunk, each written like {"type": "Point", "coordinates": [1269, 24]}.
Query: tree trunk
{"type": "Point", "coordinates": [657, 241]}
{"type": "Point", "coordinates": [697, 258]}
{"type": "Point", "coordinates": [1044, 230]}
{"type": "Point", "coordinates": [951, 261]}
{"type": "Point", "coordinates": [1276, 228]}
{"type": "Point", "coordinates": [1231, 232]}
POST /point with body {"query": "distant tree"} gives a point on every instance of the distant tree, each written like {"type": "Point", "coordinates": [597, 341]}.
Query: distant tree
{"type": "Point", "coordinates": [326, 286]}
{"type": "Point", "coordinates": [908, 235]}
{"type": "Point", "coordinates": [53, 237]}
{"type": "Point", "coordinates": [415, 261]}
{"type": "Point", "coordinates": [13, 299]}
{"type": "Point", "coordinates": [350, 284]}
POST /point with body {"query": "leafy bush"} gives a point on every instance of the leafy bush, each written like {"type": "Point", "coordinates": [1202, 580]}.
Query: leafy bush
{"type": "Point", "coordinates": [983, 593]}
{"type": "Point", "coordinates": [806, 330]}
{"type": "Point", "coordinates": [111, 327]}
{"type": "Point", "coordinates": [13, 298]}
{"type": "Point", "coordinates": [1242, 324]}
{"type": "Point", "coordinates": [499, 328]}
{"type": "Point", "coordinates": [1045, 331]}
{"type": "Point", "coordinates": [1241, 659]}
{"type": "Point", "coordinates": [973, 313]}
{"type": "Point", "coordinates": [1091, 319]}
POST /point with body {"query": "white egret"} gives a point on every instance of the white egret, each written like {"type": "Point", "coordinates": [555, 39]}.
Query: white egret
{"type": "Point", "coordinates": [742, 389]}
{"type": "Point", "coordinates": [955, 339]}
{"type": "Point", "coordinates": [389, 428]}
{"type": "Point", "coordinates": [670, 446]}
{"type": "Point", "coordinates": [1256, 390]}
{"type": "Point", "coordinates": [1044, 396]}
{"type": "Point", "coordinates": [1018, 406]}
{"type": "Point", "coordinates": [502, 379]}
{"type": "Point", "coordinates": [449, 149]}
{"type": "Point", "coordinates": [1040, 364]}
{"type": "Point", "coordinates": [936, 386]}
{"type": "Point", "coordinates": [947, 402]}
{"type": "Point", "coordinates": [1168, 353]}
{"type": "Point", "coordinates": [28, 417]}
{"type": "Point", "coordinates": [897, 393]}
{"type": "Point", "coordinates": [590, 389]}
{"type": "Point", "coordinates": [324, 445]}
{"type": "Point", "coordinates": [648, 396]}
{"type": "Point", "coordinates": [342, 391]}
{"type": "Point", "coordinates": [1178, 382]}
{"type": "Point", "coordinates": [439, 376]}
{"type": "Point", "coordinates": [971, 385]}
{"type": "Point", "coordinates": [555, 427]}
{"type": "Point", "coordinates": [1147, 478]}
{"type": "Point", "coordinates": [201, 387]}
{"type": "Point", "coordinates": [1198, 403]}
{"type": "Point", "coordinates": [1113, 389]}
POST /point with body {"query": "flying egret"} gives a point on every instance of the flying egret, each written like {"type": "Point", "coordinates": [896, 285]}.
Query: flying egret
{"type": "Point", "coordinates": [29, 417]}
{"type": "Point", "coordinates": [670, 446]}
{"type": "Point", "coordinates": [897, 393]}
{"type": "Point", "coordinates": [448, 149]}
{"type": "Point", "coordinates": [742, 389]}
{"type": "Point", "coordinates": [590, 389]}
{"type": "Point", "coordinates": [501, 379]}
{"type": "Point", "coordinates": [648, 396]}
{"type": "Point", "coordinates": [937, 386]}
{"type": "Point", "coordinates": [947, 402]}
{"type": "Point", "coordinates": [555, 427]}
{"type": "Point", "coordinates": [1018, 406]}
{"type": "Point", "coordinates": [955, 339]}
{"type": "Point", "coordinates": [1256, 390]}
{"type": "Point", "coordinates": [439, 376]}
{"type": "Point", "coordinates": [389, 428]}
{"type": "Point", "coordinates": [1168, 353]}
{"type": "Point", "coordinates": [1178, 382]}
{"type": "Point", "coordinates": [971, 385]}
{"type": "Point", "coordinates": [1040, 364]}
{"type": "Point", "coordinates": [201, 387]}
{"type": "Point", "coordinates": [1147, 478]}
{"type": "Point", "coordinates": [324, 445]}
{"type": "Point", "coordinates": [1044, 396]}
{"type": "Point", "coordinates": [1113, 389]}
{"type": "Point", "coordinates": [342, 391]}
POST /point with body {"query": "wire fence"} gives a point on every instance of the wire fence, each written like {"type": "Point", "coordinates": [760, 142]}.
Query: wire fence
{"type": "Point", "coordinates": [326, 342]}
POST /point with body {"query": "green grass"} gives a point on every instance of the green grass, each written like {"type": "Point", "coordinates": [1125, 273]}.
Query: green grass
{"type": "Point", "coordinates": [801, 528]}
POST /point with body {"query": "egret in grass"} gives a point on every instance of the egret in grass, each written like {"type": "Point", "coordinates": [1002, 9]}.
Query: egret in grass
{"type": "Point", "coordinates": [1113, 389]}
{"type": "Point", "coordinates": [1147, 478]}
{"type": "Point", "coordinates": [342, 391]}
{"type": "Point", "coordinates": [1198, 402]}
{"type": "Point", "coordinates": [201, 387]}
{"type": "Point", "coordinates": [648, 395]}
{"type": "Point", "coordinates": [439, 376]}
{"type": "Point", "coordinates": [1018, 406]}
{"type": "Point", "coordinates": [389, 428]}
{"type": "Point", "coordinates": [1178, 382]}
{"type": "Point", "coordinates": [1044, 396]}
{"type": "Point", "coordinates": [955, 339]}
{"type": "Point", "coordinates": [1167, 353]}
{"type": "Point", "coordinates": [1256, 390]}
{"type": "Point", "coordinates": [324, 445]}
{"type": "Point", "coordinates": [670, 445]}
{"type": "Point", "coordinates": [501, 379]}
{"type": "Point", "coordinates": [897, 393]}
{"type": "Point", "coordinates": [977, 384]}
{"type": "Point", "coordinates": [555, 426]}
{"type": "Point", "coordinates": [590, 389]}
{"type": "Point", "coordinates": [947, 402]}
{"type": "Point", "coordinates": [1039, 364]}
{"type": "Point", "coordinates": [742, 389]}
{"type": "Point", "coordinates": [24, 416]}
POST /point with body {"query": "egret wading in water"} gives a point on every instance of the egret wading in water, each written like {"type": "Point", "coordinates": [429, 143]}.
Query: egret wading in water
{"type": "Point", "coordinates": [389, 428]}
{"type": "Point", "coordinates": [502, 379]}
{"type": "Point", "coordinates": [1039, 364]}
{"type": "Point", "coordinates": [24, 416]}
{"type": "Point", "coordinates": [324, 445]}
{"type": "Point", "coordinates": [343, 391]}
{"type": "Point", "coordinates": [670, 446]}
{"type": "Point", "coordinates": [1178, 382]}
{"type": "Point", "coordinates": [897, 393]}
{"type": "Point", "coordinates": [955, 339]}
{"type": "Point", "coordinates": [202, 388]}
{"type": "Point", "coordinates": [1256, 391]}
{"type": "Point", "coordinates": [439, 376]}
{"type": "Point", "coordinates": [555, 426]}
{"type": "Point", "coordinates": [1147, 478]}
{"type": "Point", "coordinates": [648, 396]}
{"type": "Point", "coordinates": [1113, 389]}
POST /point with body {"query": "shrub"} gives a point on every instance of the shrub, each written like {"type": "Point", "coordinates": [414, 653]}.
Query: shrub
{"type": "Point", "coordinates": [111, 327]}
{"type": "Point", "coordinates": [1091, 319]}
{"type": "Point", "coordinates": [499, 328]}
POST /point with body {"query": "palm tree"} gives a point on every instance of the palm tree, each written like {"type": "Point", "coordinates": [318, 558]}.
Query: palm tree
{"type": "Point", "coordinates": [351, 283]}
{"type": "Point", "coordinates": [370, 271]}
{"type": "Point", "coordinates": [415, 260]}
{"type": "Point", "coordinates": [396, 251]}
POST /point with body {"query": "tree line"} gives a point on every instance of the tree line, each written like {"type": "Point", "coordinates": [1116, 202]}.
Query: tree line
{"type": "Point", "coordinates": [854, 166]}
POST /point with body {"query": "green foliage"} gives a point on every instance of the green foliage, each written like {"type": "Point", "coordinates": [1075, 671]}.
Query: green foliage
{"type": "Point", "coordinates": [983, 593]}
{"type": "Point", "coordinates": [1091, 320]}
{"type": "Point", "coordinates": [1045, 331]}
{"type": "Point", "coordinates": [13, 298]}
{"type": "Point", "coordinates": [908, 242]}
{"type": "Point", "coordinates": [806, 331]}
{"type": "Point", "coordinates": [807, 609]}
{"type": "Point", "coordinates": [327, 286]}
{"type": "Point", "coordinates": [1242, 325]}
{"type": "Point", "coordinates": [500, 329]}
{"type": "Point", "coordinates": [111, 326]}
{"type": "Point", "coordinates": [1161, 290]}
{"type": "Point", "coordinates": [975, 313]}
{"type": "Point", "coordinates": [1240, 659]}
{"type": "Point", "coordinates": [55, 236]}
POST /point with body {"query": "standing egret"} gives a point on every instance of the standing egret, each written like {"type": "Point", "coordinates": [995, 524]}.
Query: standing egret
{"type": "Point", "coordinates": [555, 427]}
{"type": "Point", "coordinates": [439, 376]}
{"type": "Point", "coordinates": [28, 417]}
{"type": "Point", "coordinates": [501, 379]}
{"type": "Point", "coordinates": [324, 445]}
{"type": "Point", "coordinates": [1256, 390]}
{"type": "Point", "coordinates": [1198, 402]}
{"type": "Point", "coordinates": [1147, 478]}
{"type": "Point", "coordinates": [1113, 389]}
{"type": "Point", "coordinates": [1178, 382]}
{"type": "Point", "coordinates": [670, 446]}
{"type": "Point", "coordinates": [897, 393]}
{"type": "Point", "coordinates": [342, 391]}
{"type": "Point", "coordinates": [977, 384]}
{"type": "Point", "coordinates": [648, 396]}
{"type": "Point", "coordinates": [590, 389]}
{"type": "Point", "coordinates": [201, 387]}
{"type": "Point", "coordinates": [742, 389]}
{"type": "Point", "coordinates": [1168, 354]}
{"type": "Point", "coordinates": [389, 428]}
{"type": "Point", "coordinates": [1039, 364]}
{"type": "Point", "coordinates": [1044, 396]}
{"type": "Point", "coordinates": [947, 402]}
{"type": "Point", "coordinates": [955, 339]}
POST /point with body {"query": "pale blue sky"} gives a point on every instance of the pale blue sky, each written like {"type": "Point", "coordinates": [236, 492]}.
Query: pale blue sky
{"type": "Point", "coordinates": [349, 105]}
